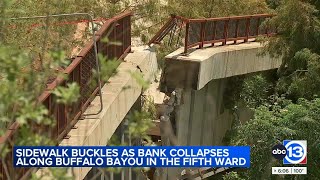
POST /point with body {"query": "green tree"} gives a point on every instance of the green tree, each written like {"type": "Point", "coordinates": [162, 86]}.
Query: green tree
{"type": "Point", "coordinates": [274, 123]}
{"type": "Point", "coordinates": [255, 91]}
{"type": "Point", "coordinates": [231, 176]}
{"type": "Point", "coordinates": [291, 112]}
{"type": "Point", "coordinates": [297, 42]}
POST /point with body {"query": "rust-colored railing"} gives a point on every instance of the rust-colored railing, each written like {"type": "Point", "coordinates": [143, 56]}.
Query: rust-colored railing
{"type": "Point", "coordinates": [116, 29]}
{"type": "Point", "coordinates": [200, 32]}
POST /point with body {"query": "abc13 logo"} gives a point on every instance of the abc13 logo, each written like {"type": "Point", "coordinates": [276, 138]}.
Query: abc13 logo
{"type": "Point", "coordinates": [291, 151]}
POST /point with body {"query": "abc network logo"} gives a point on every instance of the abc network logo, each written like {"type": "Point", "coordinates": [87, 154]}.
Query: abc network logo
{"type": "Point", "coordinates": [291, 152]}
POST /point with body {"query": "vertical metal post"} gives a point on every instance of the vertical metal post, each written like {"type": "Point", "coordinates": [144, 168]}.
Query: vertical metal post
{"type": "Point", "coordinates": [247, 29]}
{"type": "Point", "coordinates": [80, 86]}
{"type": "Point", "coordinates": [129, 33]}
{"type": "Point", "coordinates": [202, 34]}
{"type": "Point", "coordinates": [267, 30]}
{"type": "Point", "coordinates": [186, 40]}
{"type": "Point", "coordinates": [225, 34]}
{"type": "Point", "coordinates": [50, 113]}
{"type": "Point", "coordinates": [236, 31]}
{"type": "Point", "coordinates": [122, 35]}
{"type": "Point", "coordinates": [258, 25]}
{"type": "Point", "coordinates": [115, 37]}
{"type": "Point", "coordinates": [214, 31]}
{"type": "Point", "coordinates": [120, 38]}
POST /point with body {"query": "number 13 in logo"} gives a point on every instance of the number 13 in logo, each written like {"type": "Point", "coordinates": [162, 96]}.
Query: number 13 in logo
{"type": "Point", "coordinates": [296, 152]}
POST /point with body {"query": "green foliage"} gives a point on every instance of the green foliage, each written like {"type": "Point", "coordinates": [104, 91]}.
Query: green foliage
{"type": "Point", "coordinates": [286, 116]}
{"type": "Point", "coordinates": [274, 123]}
{"type": "Point", "coordinates": [304, 78]}
{"type": "Point", "coordinates": [138, 76]}
{"type": "Point", "coordinates": [273, 4]}
{"type": "Point", "coordinates": [250, 90]}
{"type": "Point", "coordinates": [215, 8]}
{"type": "Point", "coordinates": [38, 115]}
{"type": "Point", "coordinates": [297, 26]}
{"type": "Point", "coordinates": [108, 67]}
{"type": "Point", "coordinates": [67, 95]}
{"type": "Point", "coordinates": [255, 91]}
{"type": "Point", "coordinates": [25, 137]}
{"type": "Point", "coordinates": [139, 123]}
{"type": "Point", "coordinates": [297, 42]}
{"type": "Point", "coordinates": [110, 43]}
{"type": "Point", "coordinates": [162, 51]}
{"type": "Point", "coordinates": [58, 173]}
{"type": "Point", "coordinates": [149, 106]}
{"type": "Point", "coordinates": [17, 92]}
{"type": "Point", "coordinates": [232, 176]}
{"type": "Point", "coordinates": [232, 91]}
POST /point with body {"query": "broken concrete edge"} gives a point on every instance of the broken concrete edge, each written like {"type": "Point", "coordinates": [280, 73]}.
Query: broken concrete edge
{"type": "Point", "coordinates": [201, 66]}
{"type": "Point", "coordinates": [119, 94]}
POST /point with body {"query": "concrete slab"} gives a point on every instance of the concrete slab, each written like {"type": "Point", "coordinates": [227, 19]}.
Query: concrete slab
{"type": "Point", "coordinates": [201, 66]}
{"type": "Point", "coordinates": [119, 94]}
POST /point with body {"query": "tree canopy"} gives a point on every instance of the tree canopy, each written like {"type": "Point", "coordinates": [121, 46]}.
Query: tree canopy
{"type": "Point", "coordinates": [291, 111]}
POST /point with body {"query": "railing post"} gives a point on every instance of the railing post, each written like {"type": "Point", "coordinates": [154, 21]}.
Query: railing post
{"type": "Point", "coordinates": [247, 29]}
{"type": "Point", "coordinates": [214, 32]}
{"type": "Point", "coordinates": [225, 33]}
{"type": "Point", "coordinates": [129, 33]}
{"type": "Point", "coordinates": [236, 31]}
{"type": "Point", "coordinates": [267, 30]}
{"type": "Point", "coordinates": [116, 38]}
{"type": "Point", "coordinates": [186, 40]}
{"type": "Point", "coordinates": [258, 25]}
{"type": "Point", "coordinates": [202, 33]}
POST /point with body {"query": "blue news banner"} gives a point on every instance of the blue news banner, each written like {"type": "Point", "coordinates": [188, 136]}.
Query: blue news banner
{"type": "Point", "coordinates": [131, 156]}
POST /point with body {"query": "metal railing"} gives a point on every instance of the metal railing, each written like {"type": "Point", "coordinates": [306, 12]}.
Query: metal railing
{"type": "Point", "coordinates": [200, 32]}
{"type": "Point", "coordinates": [80, 70]}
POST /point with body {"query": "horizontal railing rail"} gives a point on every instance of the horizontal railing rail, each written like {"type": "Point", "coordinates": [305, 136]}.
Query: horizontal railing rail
{"type": "Point", "coordinates": [80, 70]}
{"type": "Point", "coordinates": [200, 32]}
